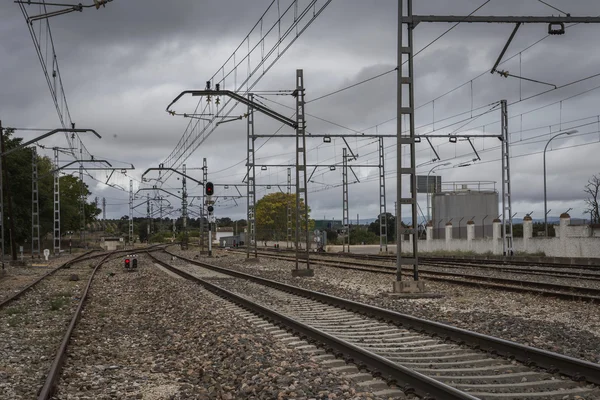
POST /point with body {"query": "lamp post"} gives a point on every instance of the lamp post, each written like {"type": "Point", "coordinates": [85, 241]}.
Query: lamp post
{"type": "Point", "coordinates": [427, 182]}
{"type": "Point", "coordinates": [545, 199]}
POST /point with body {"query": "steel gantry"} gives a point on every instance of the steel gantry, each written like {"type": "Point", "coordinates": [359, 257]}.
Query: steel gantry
{"type": "Point", "coordinates": [35, 206]}
{"type": "Point", "coordinates": [251, 245]}
{"type": "Point", "coordinates": [130, 238]}
{"type": "Point", "coordinates": [184, 206]}
{"type": "Point", "coordinates": [1, 203]}
{"type": "Point", "coordinates": [407, 22]}
{"type": "Point", "coordinates": [184, 197]}
{"type": "Point", "coordinates": [507, 222]}
{"type": "Point", "coordinates": [405, 110]}
{"type": "Point", "coordinates": [203, 235]}
{"type": "Point", "coordinates": [302, 223]}
{"type": "Point", "coordinates": [56, 204]}
{"type": "Point", "coordinates": [56, 239]}
{"type": "Point", "coordinates": [345, 211]}
{"type": "Point", "coordinates": [383, 247]}
{"type": "Point", "coordinates": [82, 197]}
{"type": "Point", "coordinates": [301, 180]}
{"type": "Point", "coordinates": [289, 209]}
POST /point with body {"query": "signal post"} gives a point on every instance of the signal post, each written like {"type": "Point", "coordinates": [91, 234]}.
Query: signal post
{"type": "Point", "coordinates": [209, 191]}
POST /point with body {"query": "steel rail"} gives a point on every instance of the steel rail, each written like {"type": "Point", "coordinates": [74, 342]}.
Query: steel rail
{"type": "Point", "coordinates": [55, 369]}
{"type": "Point", "coordinates": [499, 261]}
{"type": "Point", "coordinates": [423, 384]}
{"type": "Point", "coordinates": [542, 288]}
{"type": "Point", "coordinates": [530, 356]}
{"type": "Point", "coordinates": [15, 296]}
{"type": "Point", "coordinates": [80, 258]}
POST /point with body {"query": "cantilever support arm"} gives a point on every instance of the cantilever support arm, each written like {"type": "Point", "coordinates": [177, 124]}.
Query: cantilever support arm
{"type": "Point", "coordinates": [174, 170]}
{"type": "Point", "coordinates": [512, 35]}
{"type": "Point", "coordinates": [162, 190]}
{"type": "Point", "coordinates": [80, 162]}
{"type": "Point", "coordinates": [45, 135]}
{"type": "Point", "coordinates": [259, 107]}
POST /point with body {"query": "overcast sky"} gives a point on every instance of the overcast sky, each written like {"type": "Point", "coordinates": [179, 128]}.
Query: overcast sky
{"type": "Point", "coordinates": [123, 64]}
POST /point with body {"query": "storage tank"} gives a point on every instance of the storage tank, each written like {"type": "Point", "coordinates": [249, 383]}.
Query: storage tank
{"type": "Point", "coordinates": [464, 202]}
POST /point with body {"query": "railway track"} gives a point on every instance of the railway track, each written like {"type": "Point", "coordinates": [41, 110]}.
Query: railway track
{"type": "Point", "coordinates": [34, 321]}
{"type": "Point", "coordinates": [82, 257]}
{"type": "Point", "coordinates": [564, 291]}
{"type": "Point", "coordinates": [429, 358]}
{"type": "Point", "coordinates": [55, 369]}
{"type": "Point", "coordinates": [574, 271]}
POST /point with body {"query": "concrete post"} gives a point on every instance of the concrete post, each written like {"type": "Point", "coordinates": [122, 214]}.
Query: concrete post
{"type": "Point", "coordinates": [527, 232]}
{"type": "Point", "coordinates": [429, 231]}
{"type": "Point", "coordinates": [497, 236]}
{"type": "Point", "coordinates": [565, 221]}
{"type": "Point", "coordinates": [470, 234]}
{"type": "Point", "coordinates": [448, 235]}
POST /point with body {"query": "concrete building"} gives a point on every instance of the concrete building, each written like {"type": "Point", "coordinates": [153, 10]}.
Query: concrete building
{"type": "Point", "coordinates": [223, 231]}
{"type": "Point", "coordinates": [110, 243]}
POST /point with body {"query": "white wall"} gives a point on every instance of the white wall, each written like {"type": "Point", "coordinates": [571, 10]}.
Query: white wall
{"type": "Point", "coordinates": [571, 241]}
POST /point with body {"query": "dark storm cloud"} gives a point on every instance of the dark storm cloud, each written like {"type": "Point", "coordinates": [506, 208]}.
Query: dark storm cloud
{"type": "Point", "coordinates": [122, 65]}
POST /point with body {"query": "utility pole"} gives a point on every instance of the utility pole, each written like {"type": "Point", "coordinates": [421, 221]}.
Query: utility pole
{"type": "Point", "coordinates": [507, 225]}
{"type": "Point", "coordinates": [383, 243]}
{"type": "Point", "coordinates": [289, 208]}
{"type": "Point", "coordinates": [203, 207]}
{"type": "Point", "coordinates": [11, 220]}
{"type": "Point", "coordinates": [148, 218]}
{"type": "Point", "coordinates": [251, 184]}
{"type": "Point", "coordinates": [1, 200]}
{"type": "Point", "coordinates": [406, 111]}
{"type": "Point", "coordinates": [184, 244]}
{"type": "Point", "coordinates": [345, 211]}
{"type": "Point", "coordinates": [56, 234]}
{"type": "Point", "coordinates": [301, 180]}
{"type": "Point", "coordinates": [131, 213]}
{"type": "Point", "coordinates": [82, 194]}
{"type": "Point", "coordinates": [104, 208]}
{"type": "Point", "coordinates": [35, 206]}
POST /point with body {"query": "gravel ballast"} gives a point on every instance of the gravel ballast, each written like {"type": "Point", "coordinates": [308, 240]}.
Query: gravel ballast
{"type": "Point", "coordinates": [567, 327]}
{"type": "Point", "coordinates": [17, 277]}
{"type": "Point", "coordinates": [149, 335]}
{"type": "Point", "coordinates": [31, 328]}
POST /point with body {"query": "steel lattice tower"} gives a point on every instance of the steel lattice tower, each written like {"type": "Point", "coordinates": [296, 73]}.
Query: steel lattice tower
{"type": "Point", "coordinates": [383, 245]}
{"type": "Point", "coordinates": [35, 206]}
{"type": "Point", "coordinates": [56, 204]}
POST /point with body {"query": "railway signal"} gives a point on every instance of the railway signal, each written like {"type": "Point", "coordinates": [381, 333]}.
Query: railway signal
{"type": "Point", "coordinates": [127, 262]}
{"type": "Point", "coordinates": [210, 188]}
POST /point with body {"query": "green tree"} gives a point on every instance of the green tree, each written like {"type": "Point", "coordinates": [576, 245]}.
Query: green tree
{"type": "Point", "coordinates": [271, 216]}
{"type": "Point", "coordinates": [359, 236]}
{"type": "Point", "coordinates": [17, 168]}
{"type": "Point", "coordinates": [391, 226]}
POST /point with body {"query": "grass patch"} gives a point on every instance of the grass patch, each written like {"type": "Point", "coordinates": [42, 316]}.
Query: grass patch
{"type": "Point", "coordinates": [14, 311]}
{"type": "Point", "coordinates": [536, 254]}
{"type": "Point", "coordinates": [445, 253]}
{"type": "Point", "coordinates": [58, 303]}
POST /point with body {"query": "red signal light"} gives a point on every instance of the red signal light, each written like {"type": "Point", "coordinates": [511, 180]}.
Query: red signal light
{"type": "Point", "coordinates": [210, 188]}
{"type": "Point", "coordinates": [127, 261]}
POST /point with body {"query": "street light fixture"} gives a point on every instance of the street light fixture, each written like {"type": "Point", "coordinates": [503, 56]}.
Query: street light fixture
{"type": "Point", "coordinates": [545, 199]}
{"type": "Point", "coordinates": [427, 182]}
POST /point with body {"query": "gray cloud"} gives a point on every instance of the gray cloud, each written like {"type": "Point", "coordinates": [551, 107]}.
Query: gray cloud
{"type": "Point", "coordinates": [123, 64]}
